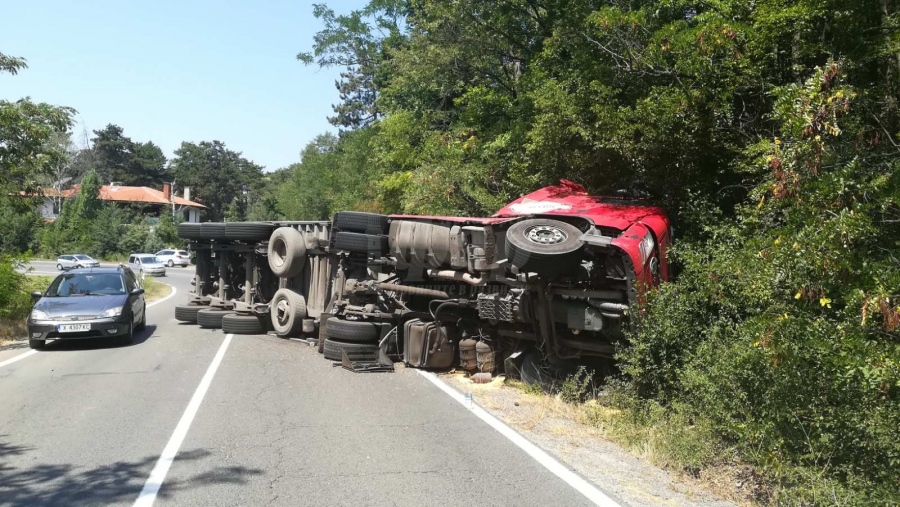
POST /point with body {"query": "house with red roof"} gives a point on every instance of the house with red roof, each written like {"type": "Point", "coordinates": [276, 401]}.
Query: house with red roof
{"type": "Point", "coordinates": [143, 197]}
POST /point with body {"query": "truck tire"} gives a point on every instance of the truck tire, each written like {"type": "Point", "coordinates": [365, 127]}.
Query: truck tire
{"type": "Point", "coordinates": [188, 313]}
{"type": "Point", "coordinates": [248, 231]}
{"type": "Point", "coordinates": [544, 246]}
{"type": "Point", "coordinates": [214, 230]}
{"type": "Point", "coordinates": [353, 331]}
{"type": "Point", "coordinates": [323, 325]}
{"type": "Point", "coordinates": [241, 323]}
{"type": "Point", "coordinates": [374, 244]}
{"type": "Point", "coordinates": [189, 230]}
{"type": "Point", "coordinates": [355, 351]}
{"type": "Point", "coordinates": [356, 221]}
{"type": "Point", "coordinates": [211, 318]}
{"type": "Point", "coordinates": [287, 311]}
{"type": "Point", "coordinates": [537, 371]}
{"type": "Point", "coordinates": [287, 252]}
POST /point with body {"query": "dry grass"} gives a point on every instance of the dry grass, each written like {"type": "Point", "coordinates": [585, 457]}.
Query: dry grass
{"type": "Point", "coordinates": [154, 289]}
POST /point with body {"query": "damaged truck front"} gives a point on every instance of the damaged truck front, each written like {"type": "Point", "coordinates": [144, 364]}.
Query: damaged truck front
{"type": "Point", "coordinates": [548, 278]}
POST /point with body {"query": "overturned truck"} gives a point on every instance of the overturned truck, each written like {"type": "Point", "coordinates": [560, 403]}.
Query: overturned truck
{"type": "Point", "coordinates": [547, 280]}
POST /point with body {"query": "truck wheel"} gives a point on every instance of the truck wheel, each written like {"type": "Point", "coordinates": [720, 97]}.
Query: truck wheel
{"type": "Point", "coordinates": [211, 318]}
{"type": "Point", "coordinates": [375, 244]}
{"type": "Point", "coordinates": [355, 351]}
{"type": "Point", "coordinates": [352, 331]}
{"type": "Point", "coordinates": [213, 230]}
{"type": "Point", "coordinates": [544, 246]}
{"type": "Point", "coordinates": [248, 231]}
{"type": "Point", "coordinates": [190, 230]}
{"type": "Point", "coordinates": [323, 326]}
{"type": "Point", "coordinates": [288, 311]}
{"type": "Point", "coordinates": [287, 252]}
{"type": "Point", "coordinates": [239, 323]}
{"type": "Point", "coordinates": [536, 370]}
{"type": "Point", "coordinates": [356, 221]}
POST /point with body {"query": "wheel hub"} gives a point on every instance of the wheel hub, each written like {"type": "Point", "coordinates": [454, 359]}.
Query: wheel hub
{"type": "Point", "coordinates": [545, 235]}
{"type": "Point", "coordinates": [281, 312]}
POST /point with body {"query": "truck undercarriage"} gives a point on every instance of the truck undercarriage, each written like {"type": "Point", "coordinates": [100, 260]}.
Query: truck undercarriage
{"type": "Point", "coordinates": [555, 271]}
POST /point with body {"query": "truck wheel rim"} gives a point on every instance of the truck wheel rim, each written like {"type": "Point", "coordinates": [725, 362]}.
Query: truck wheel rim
{"type": "Point", "coordinates": [545, 235]}
{"type": "Point", "coordinates": [281, 312]}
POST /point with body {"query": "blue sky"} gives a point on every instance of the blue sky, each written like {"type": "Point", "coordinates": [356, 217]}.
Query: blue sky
{"type": "Point", "coordinates": [172, 71]}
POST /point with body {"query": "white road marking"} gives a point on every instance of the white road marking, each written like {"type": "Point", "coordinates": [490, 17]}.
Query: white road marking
{"type": "Point", "coordinates": [158, 474]}
{"type": "Point", "coordinates": [16, 358]}
{"type": "Point", "coordinates": [555, 467]}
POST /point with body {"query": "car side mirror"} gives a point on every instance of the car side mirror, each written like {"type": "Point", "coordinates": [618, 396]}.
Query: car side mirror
{"type": "Point", "coordinates": [36, 295]}
{"type": "Point", "coordinates": [137, 292]}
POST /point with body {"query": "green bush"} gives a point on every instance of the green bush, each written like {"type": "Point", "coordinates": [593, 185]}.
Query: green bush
{"type": "Point", "coordinates": [15, 302]}
{"type": "Point", "coordinates": [782, 330]}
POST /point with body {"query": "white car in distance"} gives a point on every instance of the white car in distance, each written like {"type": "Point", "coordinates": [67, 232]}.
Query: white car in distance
{"type": "Point", "coordinates": [171, 257]}
{"type": "Point", "coordinates": [144, 264]}
{"type": "Point", "coordinates": [64, 262]}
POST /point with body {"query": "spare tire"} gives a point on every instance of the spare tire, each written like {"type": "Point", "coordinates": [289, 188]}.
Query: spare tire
{"type": "Point", "coordinates": [355, 351]}
{"type": "Point", "coordinates": [211, 318]}
{"type": "Point", "coordinates": [353, 331]}
{"type": "Point", "coordinates": [287, 252]}
{"type": "Point", "coordinates": [288, 309]}
{"type": "Point", "coordinates": [356, 221]}
{"type": "Point", "coordinates": [188, 313]}
{"type": "Point", "coordinates": [242, 323]}
{"type": "Point", "coordinates": [544, 246]}
{"type": "Point", "coordinates": [374, 244]}
{"type": "Point", "coordinates": [248, 231]}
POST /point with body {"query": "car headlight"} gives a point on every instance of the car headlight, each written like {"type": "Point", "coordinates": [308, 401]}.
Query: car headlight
{"type": "Point", "coordinates": [111, 312]}
{"type": "Point", "coordinates": [39, 315]}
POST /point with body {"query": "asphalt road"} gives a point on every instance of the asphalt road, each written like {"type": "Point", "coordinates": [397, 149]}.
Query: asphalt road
{"type": "Point", "coordinates": [85, 423]}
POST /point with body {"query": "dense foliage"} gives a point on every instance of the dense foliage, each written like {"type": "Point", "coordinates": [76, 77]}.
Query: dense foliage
{"type": "Point", "coordinates": [769, 130]}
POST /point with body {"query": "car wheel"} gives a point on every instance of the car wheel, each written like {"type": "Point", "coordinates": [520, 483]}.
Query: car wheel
{"type": "Point", "coordinates": [129, 337]}
{"type": "Point", "coordinates": [171, 264]}
{"type": "Point", "coordinates": [59, 267]}
{"type": "Point", "coordinates": [36, 344]}
{"type": "Point", "coordinates": [143, 323]}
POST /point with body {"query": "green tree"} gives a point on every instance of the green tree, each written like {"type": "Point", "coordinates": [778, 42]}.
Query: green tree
{"type": "Point", "coordinates": [119, 159]}
{"type": "Point", "coordinates": [216, 175]}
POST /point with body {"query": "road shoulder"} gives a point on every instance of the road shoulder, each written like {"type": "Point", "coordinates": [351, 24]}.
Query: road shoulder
{"type": "Point", "coordinates": [550, 424]}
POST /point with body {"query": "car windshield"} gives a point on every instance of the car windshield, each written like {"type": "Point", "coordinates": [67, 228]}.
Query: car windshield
{"type": "Point", "coordinates": [83, 258]}
{"type": "Point", "coordinates": [149, 260]}
{"type": "Point", "coordinates": [100, 284]}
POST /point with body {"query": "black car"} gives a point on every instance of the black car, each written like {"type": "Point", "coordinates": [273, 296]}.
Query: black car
{"type": "Point", "coordinates": [88, 303]}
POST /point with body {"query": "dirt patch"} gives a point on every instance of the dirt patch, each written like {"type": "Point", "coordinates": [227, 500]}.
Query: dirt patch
{"type": "Point", "coordinates": [556, 427]}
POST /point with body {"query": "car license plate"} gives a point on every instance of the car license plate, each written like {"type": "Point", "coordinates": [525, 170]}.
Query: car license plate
{"type": "Point", "coordinates": [73, 328]}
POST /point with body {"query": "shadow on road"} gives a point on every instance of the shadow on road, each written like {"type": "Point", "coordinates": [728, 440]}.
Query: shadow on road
{"type": "Point", "coordinates": [99, 343]}
{"type": "Point", "coordinates": [121, 481]}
